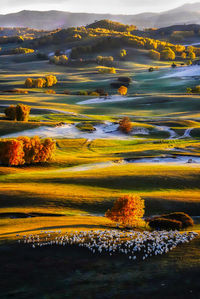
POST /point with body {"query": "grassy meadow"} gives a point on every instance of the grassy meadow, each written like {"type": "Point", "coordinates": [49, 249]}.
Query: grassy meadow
{"type": "Point", "coordinates": [74, 190]}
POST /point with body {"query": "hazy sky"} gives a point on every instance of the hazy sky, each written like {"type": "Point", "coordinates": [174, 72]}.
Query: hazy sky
{"type": "Point", "coordinates": [108, 6]}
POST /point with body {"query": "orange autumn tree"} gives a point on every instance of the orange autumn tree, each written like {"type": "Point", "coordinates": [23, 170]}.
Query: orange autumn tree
{"type": "Point", "coordinates": [11, 152]}
{"type": "Point", "coordinates": [37, 150]}
{"type": "Point", "coordinates": [127, 210]}
{"type": "Point", "coordinates": [25, 150]}
{"type": "Point", "coordinates": [20, 112]}
{"type": "Point", "coordinates": [125, 125]}
{"type": "Point", "coordinates": [122, 90]}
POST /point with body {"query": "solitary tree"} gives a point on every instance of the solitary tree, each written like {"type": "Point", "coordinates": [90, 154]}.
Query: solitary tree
{"type": "Point", "coordinates": [128, 210]}
{"type": "Point", "coordinates": [22, 112]}
{"type": "Point", "coordinates": [125, 125]}
{"type": "Point", "coordinates": [10, 112]}
{"type": "Point", "coordinates": [123, 90]}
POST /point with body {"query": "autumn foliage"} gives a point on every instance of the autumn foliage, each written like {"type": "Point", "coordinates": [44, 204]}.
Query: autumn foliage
{"type": "Point", "coordinates": [11, 152]}
{"type": "Point", "coordinates": [20, 112]}
{"type": "Point", "coordinates": [122, 90]}
{"type": "Point", "coordinates": [25, 150]}
{"type": "Point", "coordinates": [47, 81]}
{"type": "Point", "coordinates": [128, 210]}
{"type": "Point", "coordinates": [125, 125]}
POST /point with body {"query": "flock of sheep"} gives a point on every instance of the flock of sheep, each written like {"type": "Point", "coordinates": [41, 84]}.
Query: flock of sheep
{"type": "Point", "coordinates": [134, 244]}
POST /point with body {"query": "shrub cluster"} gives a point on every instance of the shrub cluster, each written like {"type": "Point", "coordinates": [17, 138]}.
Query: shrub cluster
{"type": "Point", "coordinates": [177, 220]}
{"type": "Point", "coordinates": [105, 60]}
{"type": "Point", "coordinates": [47, 81]}
{"type": "Point", "coordinates": [20, 112]}
{"type": "Point", "coordinates": [107, 70]}
{"type": "Point", "coordinates": [59, 60]}
{"type": "Point", "coordinates": [165, 224]}
{"type": "Point", "coordinates": [25, 150]}
{"type": "Point", "coordinates": [21, 50]}
{"type": "Point", "coordinates": [195, 89]}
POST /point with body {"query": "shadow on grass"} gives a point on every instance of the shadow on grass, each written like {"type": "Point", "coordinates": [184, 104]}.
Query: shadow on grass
{"type": "Point", "coordinates": [44, 228]}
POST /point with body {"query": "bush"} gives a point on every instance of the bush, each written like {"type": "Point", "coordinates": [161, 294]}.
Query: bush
{"type": "Point", "coordinates": [50, 91]}
{"type": "Point", "coordinates": [86, 127]}
{"type": "Point", "coordinates": [126, 80]}
{"type": "Point", "coordinates": [184, 218]}
{"type": "Point", "coordinates": [20, 112]}
{"type": "Point", "coordinates": [25, 150]}
{"type": "Point", "coordinates": [105, 60]}
{"type": "Point", "coordinates": [165, 224]}
{"type": "Point", "coordinates": [127, 210]}
{"type": "Point", "coordinates": [107, 70]}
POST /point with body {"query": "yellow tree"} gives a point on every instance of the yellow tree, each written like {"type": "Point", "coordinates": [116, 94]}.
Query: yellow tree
{"type": "Point", "coordinates": [191, 55]}
{"type": "Point", "coordinates": [29, 83]}
{"type": "Point", "coordinates": [123, 90]}
{"type": "Point", "coordinates": [127, 210]}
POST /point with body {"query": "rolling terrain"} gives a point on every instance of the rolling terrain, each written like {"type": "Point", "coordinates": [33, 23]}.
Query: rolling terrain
{"type": "Point", "coordinates": [159, 161]}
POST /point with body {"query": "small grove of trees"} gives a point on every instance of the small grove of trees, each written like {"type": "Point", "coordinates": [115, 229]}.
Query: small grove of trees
{"type": "Point", "coordinates": [195, 89]}
{"type": "Point", "coordinates": [20, 112]}
{"type": "Point", "coordinates": [47, 81]}
{"type": "Point", "coordinates": [123, 90]}
{"type": "Point", "coordinates": [107, 70]}
{"type": "Point", "coordinates": [105, 60]}
{"type": "Point", "coordinates": [125, 125]}
{"type": "Point", "coordinates": [191, 55]}
{"type": "Point", "coordinates": [127, 210]}
{"type": "Point", "coordinates": [25, 150]}
{"type": "Point", "coordinates": [167, 54]}
{"type": "Point", "coordinates": [155, 55]}
{"type": "Point", "coordinates": [59, 60]}
{"type": "Point", "coordinates": [21, 50]}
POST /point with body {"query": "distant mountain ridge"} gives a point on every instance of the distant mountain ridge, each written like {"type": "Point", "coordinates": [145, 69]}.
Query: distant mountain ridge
{"type": "Point", "coordinates": [48, 20]}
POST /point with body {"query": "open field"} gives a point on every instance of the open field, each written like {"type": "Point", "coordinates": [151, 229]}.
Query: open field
{"type": "Point", "coordinates": [160, 161]}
